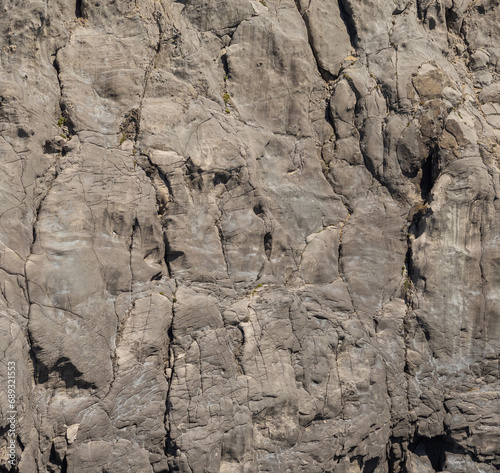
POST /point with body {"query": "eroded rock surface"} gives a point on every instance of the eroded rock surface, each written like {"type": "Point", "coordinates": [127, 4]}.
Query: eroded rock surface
{"type": "Point", "coordinates": [251, 236]}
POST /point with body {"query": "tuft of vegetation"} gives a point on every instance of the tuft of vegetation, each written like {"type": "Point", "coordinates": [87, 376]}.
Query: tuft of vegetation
{"type": "Point", "coordinates": [226, 97]}
{"type": "Point", "coordinates": [129, 127]}
{"type": "Point", "coordinates": [174, 299]}
{"type": "Point", "coordinates": [227, 110]}
{"type": "Point", "coordinates": [408, 284]}
{"type": "Point", "coordinates": [123, 138]}
{"type": "Point", "coordinates": [61, 122]}
{"type": "Point", "coordinates": [263, 2]}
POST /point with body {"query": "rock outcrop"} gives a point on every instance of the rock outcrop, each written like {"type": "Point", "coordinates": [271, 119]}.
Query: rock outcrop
{"type": "Point", "coordinates": [250, 236]}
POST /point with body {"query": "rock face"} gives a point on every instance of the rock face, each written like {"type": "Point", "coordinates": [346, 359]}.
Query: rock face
{"type": "Point", "coordinates": [250, 236]}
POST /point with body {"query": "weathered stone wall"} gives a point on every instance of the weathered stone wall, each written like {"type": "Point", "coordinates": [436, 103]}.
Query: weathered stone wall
{"type": "Point", "coordinates": [249, 236]}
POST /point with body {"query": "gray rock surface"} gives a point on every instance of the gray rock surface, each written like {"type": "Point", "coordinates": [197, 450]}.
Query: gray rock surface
{"type": "Point", "coordinates": [250, 236]}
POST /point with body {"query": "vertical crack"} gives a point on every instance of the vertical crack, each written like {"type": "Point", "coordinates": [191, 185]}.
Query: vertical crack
{"type": "Point", "coordinates": [341, 254]}
{"type": "Point", "coordinates": [258, 210]}
{"type": "Point", "coordinates": [170, 446]}
{"type": "Point", "coordinates": [429, 172]}
{"type": "Point", "coordinates": [79, 9]}
{"type": "Point", "coordinates": [225, 64]}
{"type": "Point", "coordinates": [153, 173]}
{"type": "Point", "coordinates": [326, 75]}
{"type": "Point", "coordinates": [65, 123]}
{"type": "Point", "coordinates": [410, 276]}
{"type": "Point", "coordinates": [164, 194]}
{"type": "Point", "coordinates": [150, 67]}
{"type": "Point", "coordinates": [346, 14]}
{"type": "Point", "coordinates": [135, 227]}
{"type": "Point", "coordinates": [268, 245]}
{"type": "Point", "coordinates": [168, 253]}
{"type": "Point", "coordinates": [222, 245]}
{"type": "Point", "coordinates": [131, 128]}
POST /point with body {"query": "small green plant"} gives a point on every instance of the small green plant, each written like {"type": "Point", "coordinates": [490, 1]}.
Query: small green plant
{"type": "Point", "coordinates": [123, 138]}
{"type": "Point", "coordinates": [226, 97]}
{"type": "Point", "coordinates": [64, 136]}
{"type": "Point", "coordinates": [408, 284]}
{"type": "Point", "coordinates": [174, 299]}
{"type": "Point", "coordinates": [61, 122]}
{"type": "Point", "coordinates": [259, 285]}
{"type": "Point", "coordinates": [227, 110]}
{"type": "Point", "coordinates": [263, 2]}
{"type": "Point", "coordinates": [162, 293]}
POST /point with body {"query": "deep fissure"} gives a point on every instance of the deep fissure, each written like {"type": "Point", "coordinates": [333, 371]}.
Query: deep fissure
{"type": "Point", "coordinates": [346, 15]}
{"type": "Point", "coordinates": [79, 9]}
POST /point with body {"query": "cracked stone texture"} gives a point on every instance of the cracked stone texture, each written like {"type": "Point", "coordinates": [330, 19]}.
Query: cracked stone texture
{"type": "Point", "coordinates": [248, 236]}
